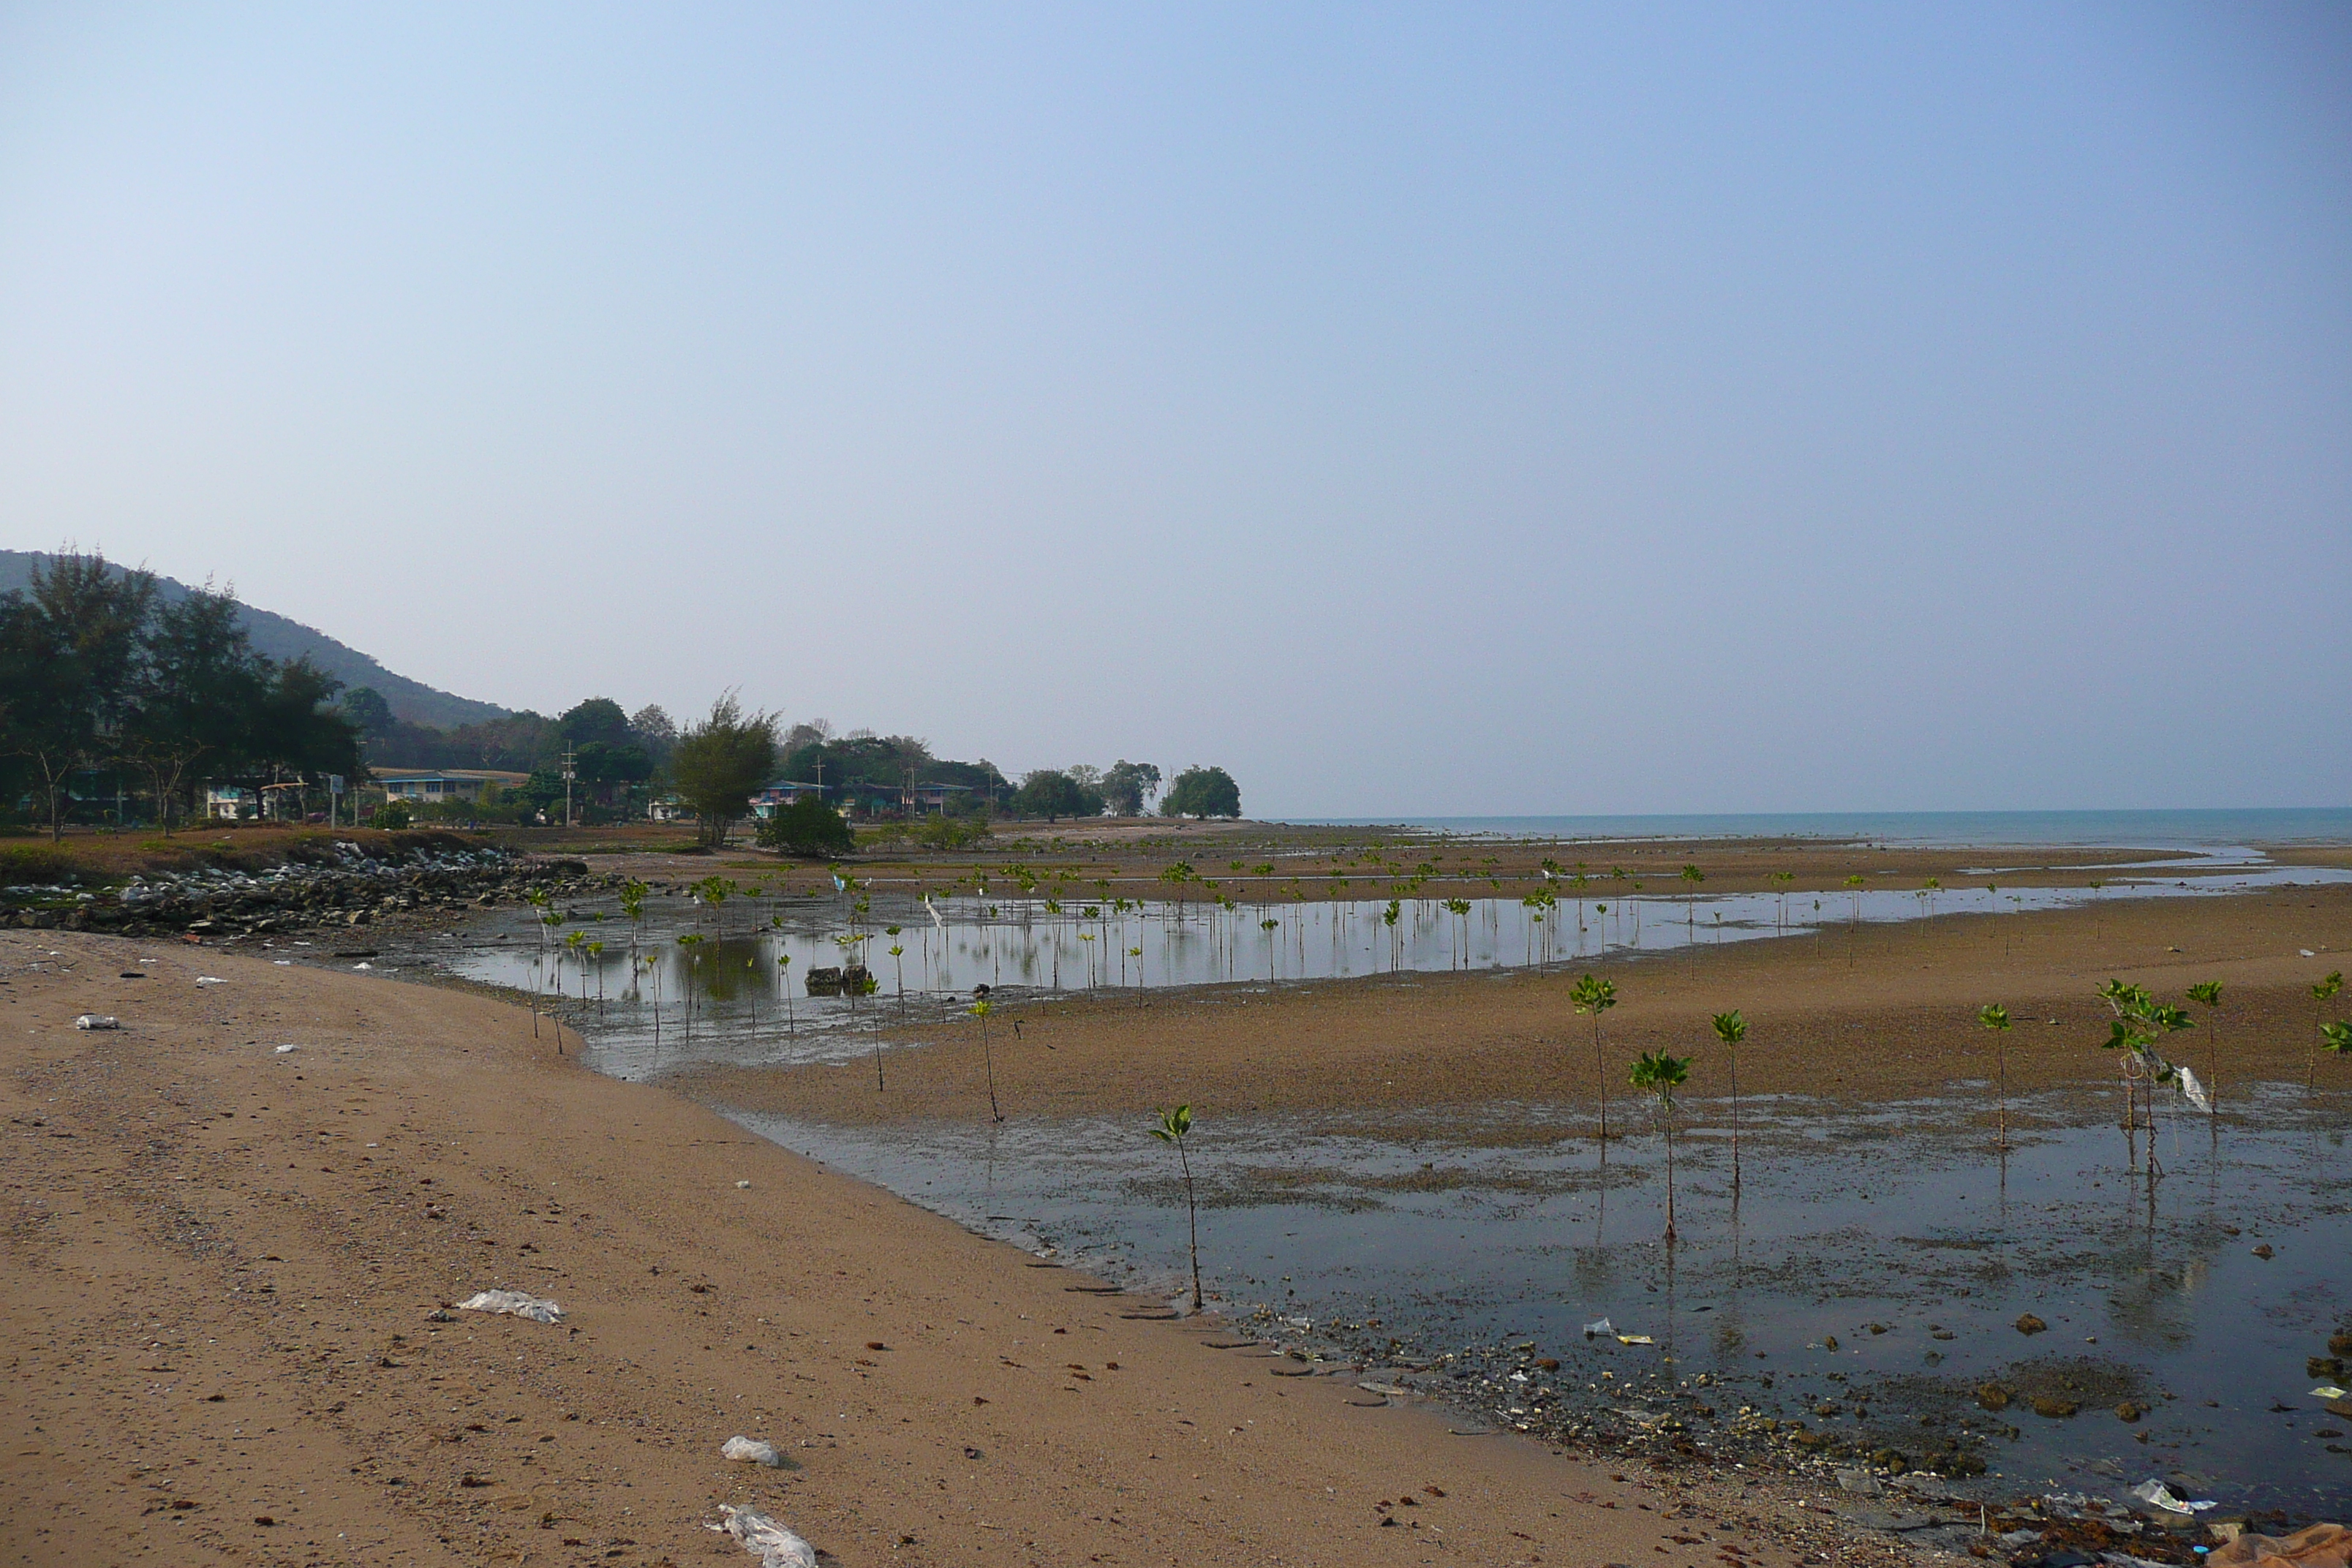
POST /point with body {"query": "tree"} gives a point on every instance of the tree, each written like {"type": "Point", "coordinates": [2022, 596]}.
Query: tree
{"type": "Point", "coordinates": [1203, 793]}
{"type": "Point", "coordinates": [200, 678]}
{"type": "Point", "coordinates": [597, 722]}
{"type": "Point", "coordinates": [1052, 793]}
{"type": "Point", "coordinates": [807, 827]}
{"type": "Point", "coordinates": [1731, 1028]}
{"type": "Point", "coordinates": [69, 655]}
{"type": "Point", "coordinates": [364, 706]}
{"type": "Point", "coordinates": [1995, 1018]}
{"type": "Point", "coordinates": [1128, 786]}
{"type": "Point", "coordinates": [721, 761]}
{"type": "Point", "coordinates": [651, 727]}
{"type": "Point", "coordinates": [1595, 996]}
{"type": "Point", "coordinates": [1662, 1075]}
{"type": "Point", "coordinates": [1174, 1125]}
{"type": "Point", "coordinates": [979, 1010]}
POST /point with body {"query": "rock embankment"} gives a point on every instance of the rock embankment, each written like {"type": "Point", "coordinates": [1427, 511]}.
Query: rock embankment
{"type": "Point", "coordinates": [355, 888]}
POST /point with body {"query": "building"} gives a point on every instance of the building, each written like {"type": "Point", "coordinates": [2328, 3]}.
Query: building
{"type": "Point", "coordinates": [783, 792]}
{"type": "Point", "coordinates": [227, 803]}
{"type": "Point", "coordinates": [430, 786]}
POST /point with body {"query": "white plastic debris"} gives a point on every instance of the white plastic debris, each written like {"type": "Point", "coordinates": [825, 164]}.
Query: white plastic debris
{"type": "Point", "coordinates": [775, 1546]}
{"type": "Point", "coordinates": [515, 1304]}
{"type": "Point", "coordinates": [2327, 1391]}
{"type": "Point", "coordinates": [752, 1450]}
{"type": "Point", "coordinates": [2194, 1092]}
{"type": "Point", "coordinates": [363, 964]}
{"type": "Point", "coordinates": [210, 980]}
{"type": "Point", "coordinates": [280, 1050]}
{"type": "Point", "coordinates": [744, 1186]}
{"type": "Point", "coordinates": [1596, 1327]}
{"type": "Point", "coordinates": [2156, 1494]}
{"type": "Point", "coordinates": [97, 1021]}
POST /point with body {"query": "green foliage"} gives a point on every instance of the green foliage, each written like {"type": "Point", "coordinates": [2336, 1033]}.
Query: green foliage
{"type": "Point", "coordinates": [1202, 793]}
{"type": "Point", "coordinates": [2209, 992]}
{"type": "Point", "coordinates": [2325, 989]}
{"type": "Point", "coordinates": [598, 722]}
{"type": "Point", "coordinates": [1994, 1016]}
{"type": "Point", "coordinates": [721, 761]}
{"type": "Point", "coordinates": [808, 827]}
{"type": "Point", "coordinates": [1126, 786]}
{"type": "Point", "coordinates": [2338, 1036]}
{"type": "Point", "coordinates": [2140, 1024]}
{"type": "Point", "coordinates": [1594, 995]}
{"type": "Point", "coordinates": [367, 711]}
{"type": "Point", "coordinates": [1660, 1074]}
{"type": "Point", "coordinates": [391, 813]}
{"type": "Point", "coordinates": [1730, 1027]}
{"type": "Point", "coordinates": [1174, 1124]}
{"type": "Point", "coordinates": [1053, 794]}
{"type": "Point", "coordinates": [21, 863]}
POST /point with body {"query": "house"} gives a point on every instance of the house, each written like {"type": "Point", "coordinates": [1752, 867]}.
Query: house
{"type": "Point", "coordinates": [447, 784]}
{"type": "Point", "coordinates": [227, 803]}
{"type": "Point", "coordinates": [783, 792]}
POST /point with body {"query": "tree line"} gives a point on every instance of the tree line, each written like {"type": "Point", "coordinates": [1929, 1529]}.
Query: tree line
{"type": "Point", "coordinates": [108, 691]}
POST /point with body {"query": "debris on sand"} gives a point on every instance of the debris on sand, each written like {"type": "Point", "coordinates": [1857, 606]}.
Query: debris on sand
{"type": "Point", "coordinates": [775, 1546]}
{"type": "Point", "coordinates": [97, 1021]}
{"type": "Point", "coordinates": [514, 1303]}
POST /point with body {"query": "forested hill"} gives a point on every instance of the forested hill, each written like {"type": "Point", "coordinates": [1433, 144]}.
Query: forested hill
{"type": "Point", "coordinates": [280, 638]}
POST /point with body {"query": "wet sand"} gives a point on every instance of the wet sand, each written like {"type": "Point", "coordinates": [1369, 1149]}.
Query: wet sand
{"type": "Point", "coordinates": [1886, 1011]}
{"type": "Point", "coordinates": [227, 1269]}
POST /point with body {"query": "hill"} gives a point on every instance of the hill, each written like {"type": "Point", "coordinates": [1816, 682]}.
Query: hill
{"type": "Point", "coordinates": [284, 639]}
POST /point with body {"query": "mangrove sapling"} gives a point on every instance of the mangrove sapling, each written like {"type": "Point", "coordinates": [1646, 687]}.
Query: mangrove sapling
{"type": "Point", "coordinates": [1174, 1125]}
{"type": "Point", "coordinates": [1781, 881]}
{"type": "Point", "coordinates": [1853, 920]}
{"type": "Point", "coordinates": [980, 1010]}
{"type": "Point", "coordinates": [691, 942]}
{"type": "Point", "coordinates": [1460, 909]}
{"type": "Point", "coordinates": [784, 978]}
{"type": "Point", "coordinates": [2140, 1025]}
{"type": "Point", "coordinates": [2338, 1036]}
{"type": "Point", "coordinates": [1731, 1028]}
{"type": "Point", "coordinates": [1661, 1075]}
{"type": "Point", "coordinates": [1928, 890]}
{"type": "Point", "coordinates": [1995, 1018]}
{"type": "Point", "coordinates": [1692, 876]}
{"type": "Point", "coordinates": [2321, 993]}
{"type": "Point", "coordinates": [2208, 992]}
{"type": "Point", "coordinates": [1596, 996]}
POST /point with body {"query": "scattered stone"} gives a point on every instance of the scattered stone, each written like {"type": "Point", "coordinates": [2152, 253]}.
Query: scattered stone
{"type": "Point", "coordinates": [2054, 1407]}
{"type": "Point", "coordinates": [2030, 1324]}
{"type": "Point", "coordinates": [2129, 1411]}
{"type": "Point", "coordinates": [1992, 1396]}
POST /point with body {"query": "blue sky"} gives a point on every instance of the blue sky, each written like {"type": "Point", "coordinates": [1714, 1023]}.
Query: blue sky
{"type": "Point", "coordinates": [1415, 409]}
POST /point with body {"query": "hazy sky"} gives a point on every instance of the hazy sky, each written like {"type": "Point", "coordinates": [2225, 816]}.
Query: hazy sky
{"type": "Point", "coordinates": [1434, 408]}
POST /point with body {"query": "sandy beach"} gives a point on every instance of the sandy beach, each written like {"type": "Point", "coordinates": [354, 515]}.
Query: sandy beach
{"type": "Point", "coordinates": [229, 1270]}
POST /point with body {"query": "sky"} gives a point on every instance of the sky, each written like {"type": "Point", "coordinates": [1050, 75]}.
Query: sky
{"type": "Point", "coordinates": [1413, 409]}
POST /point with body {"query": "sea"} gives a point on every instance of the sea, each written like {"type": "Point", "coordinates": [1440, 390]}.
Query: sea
{"type": "Point", "coordinates": [2195, 828]}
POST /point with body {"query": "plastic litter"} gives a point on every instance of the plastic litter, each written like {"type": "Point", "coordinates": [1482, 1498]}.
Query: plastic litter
{"type": "Point", "coordinates": [2327, 1391]}
{"type": "Point", "coordinates": [1596, 1327]}
{"type": "Point", "coordinates": [752, 1450]}
{"type": "Point", "coordinates": [2320, 1546]}
{"type": "Point", "coordinates": [97, 1021]}
{"type": "Point", "coordinates": [210, 980]}
{"type": "Point", "coordinates": [1635, 1339]}
{"type": "Point", "coordinates": [280, 1050]}
{"type": "Point", "coordinates": [2194, 1092]}
{"type": "Point", "coordinates": [2156, 1494]}
{"type": "Point", "coordinates": [515, 1304]}
{"type": "Point", "coordinates": [775, 1546]}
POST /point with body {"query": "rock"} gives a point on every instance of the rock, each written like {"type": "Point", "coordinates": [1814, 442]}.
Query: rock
{"type": "Point", "coordinates": [2128, 1411]}
{"type": "Point", "coordinates": [2263, 1251]}
{"type": "Point", "coordinates": [2054, 1407]}
{"type": "Point", "coordinates": [1889, 1460]}
{"type": "Point", "coordinates": [2030, 1324]}
{"type": "Point", "coordinates": [2340, 1344]}
{"type": "Point", "coordinates": [1992, 1396]}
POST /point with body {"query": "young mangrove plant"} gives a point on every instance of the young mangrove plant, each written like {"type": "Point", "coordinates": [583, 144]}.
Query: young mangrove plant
{"type": "Point", "coordinates": [1995, 1018]}
{"type": "Point", "coordinates": [2322, 993]}
{"type": "Point", "coordinates": [1173, 1127]}
{"type": "Point", "coordinates": [1692, 876]}
{"type": "Point", "coordinates": [1596, 996]}
{"type": "Point", "coordinates": [1731, 1028]}
{"type": "Point", "coordinates": [2208, 992]}
{"type": "Point", "coordinates": [2141, 1023]}
{"type": "Point", "coordinates": [1661, 1075]}
{"type": "Point", "coordinates": [1853, 920]}
{"type": "Point", "coordinates": [979, 1010]}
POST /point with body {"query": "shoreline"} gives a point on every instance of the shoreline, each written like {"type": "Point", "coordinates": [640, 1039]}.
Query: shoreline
{"type": "Point", "coordinates": [232, 1270]}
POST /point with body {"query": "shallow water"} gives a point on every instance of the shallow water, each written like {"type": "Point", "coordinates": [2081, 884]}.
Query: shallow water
{"type": "Point", "coordinates": [736, 995]}
{"type": "Point", "coordinates": [1481, 1229]}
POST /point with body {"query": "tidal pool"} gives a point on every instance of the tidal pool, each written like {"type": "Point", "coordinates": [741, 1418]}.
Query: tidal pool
{"type": "Point", "coordinates": [1866, 1278]}
{"type": "Point", "coordinates": [691, 984]}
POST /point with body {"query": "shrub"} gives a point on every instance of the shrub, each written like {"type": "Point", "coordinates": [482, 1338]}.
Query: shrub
{"type": "Point", "coordinates": [392, 813]}
{"type": "Point", "coordinates": [21, 863]}
{"type": "Point", "coordinates": [807, 827]}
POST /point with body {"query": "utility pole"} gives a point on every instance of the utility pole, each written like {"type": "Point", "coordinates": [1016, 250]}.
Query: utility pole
{"type": "Point", "coordinates": [570, 773]}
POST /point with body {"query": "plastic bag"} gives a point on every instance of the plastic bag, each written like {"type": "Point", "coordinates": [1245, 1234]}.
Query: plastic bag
{"type": "Point", "coordinates": [2156, 1494]}
{"type": "Point", "coordinates": [775, 1546]}
{"type": "Point", "coordinates": [752, 1450]}
{"type": "Point", "coordinates": [1596, 1327]}
{"type": "Point", "coordinates": [2194, 1092]}
{"type": "Point", "coordinates": [97, 1021]}
{"type": "Point", "coordinates": [513, 1302]}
